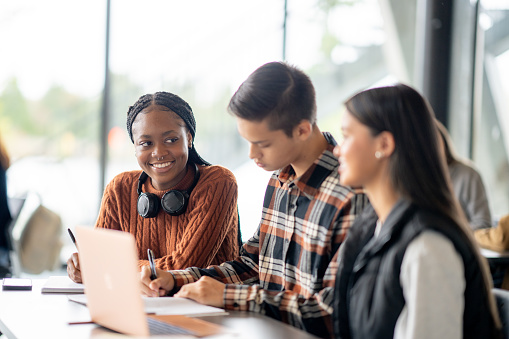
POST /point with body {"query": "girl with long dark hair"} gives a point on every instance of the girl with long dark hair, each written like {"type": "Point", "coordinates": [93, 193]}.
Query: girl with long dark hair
{"type": "Point", "coordinates": [409, 267]}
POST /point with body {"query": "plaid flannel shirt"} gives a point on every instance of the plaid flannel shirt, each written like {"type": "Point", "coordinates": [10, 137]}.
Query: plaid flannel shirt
{"type": "Point", "coordinates": [288, 268]}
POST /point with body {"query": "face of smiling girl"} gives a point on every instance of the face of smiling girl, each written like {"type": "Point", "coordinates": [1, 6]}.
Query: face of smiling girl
{"type": "Point", "coordinates": [161, 143]}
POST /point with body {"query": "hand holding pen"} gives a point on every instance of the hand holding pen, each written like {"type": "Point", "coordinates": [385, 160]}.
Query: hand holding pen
{"type": "Point", "coordinates": [73, 263]}
{"type": "Point", "coordinates": [153, 274]}
{"type": "Point", "coordinates": [155, 282]}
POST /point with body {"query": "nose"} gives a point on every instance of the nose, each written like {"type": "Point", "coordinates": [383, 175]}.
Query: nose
{"type": "Point", "coordinates": [253, 151]}
{"type": "Point", "coordinates": [337, 151]}
{"type": "Point", "coordinates": [159, 150]}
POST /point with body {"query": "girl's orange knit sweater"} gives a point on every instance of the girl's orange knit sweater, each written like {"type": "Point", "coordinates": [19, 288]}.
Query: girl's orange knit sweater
{"type": "Point", "coordinates": [204, 235]}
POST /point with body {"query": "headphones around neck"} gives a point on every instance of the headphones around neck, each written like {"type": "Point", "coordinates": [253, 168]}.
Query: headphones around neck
{"type": "Point", "coordinates": [174, 202]}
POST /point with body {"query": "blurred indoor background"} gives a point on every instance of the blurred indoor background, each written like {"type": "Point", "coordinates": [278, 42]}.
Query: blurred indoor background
{"type": "Point", "coordinates": [70, 69]}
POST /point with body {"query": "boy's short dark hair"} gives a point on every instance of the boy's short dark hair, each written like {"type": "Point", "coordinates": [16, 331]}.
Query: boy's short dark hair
{"type": "Point", "coordinates": [278, 91]}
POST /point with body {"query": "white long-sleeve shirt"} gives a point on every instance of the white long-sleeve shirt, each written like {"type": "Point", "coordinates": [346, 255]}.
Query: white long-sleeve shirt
{"type": "Point", "coordinates": [432, 278]}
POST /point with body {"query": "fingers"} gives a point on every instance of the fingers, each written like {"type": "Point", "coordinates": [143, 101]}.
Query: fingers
{"type": "Point", "coordinates": [206, 291]}
{"type": "Point", "coordinates": [165, 280]}
{"type": "Point", "coordinates": [73, 268]}
{"type": "Point", "coordinates": [146, 283]}
{"type": "Point", "coordinates": [76, 260]}
{"type": "Point", "coordinates": [157, 287]}
{"type": "Point", "coordinates": [188, 291]}
{"type": "Point", "coordinates": [145, 275]}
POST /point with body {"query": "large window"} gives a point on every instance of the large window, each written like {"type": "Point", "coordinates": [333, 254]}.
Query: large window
{"type": "Point", "coordinates": [53, 76]}
{"type": "Point", "coordinates": [491, 127]}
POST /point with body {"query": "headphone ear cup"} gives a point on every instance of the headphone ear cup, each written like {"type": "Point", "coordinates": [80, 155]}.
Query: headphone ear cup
{"type": "Point", "coordinates": [174, 202]}
{"type": "Point", "coordinates": [148, 205]}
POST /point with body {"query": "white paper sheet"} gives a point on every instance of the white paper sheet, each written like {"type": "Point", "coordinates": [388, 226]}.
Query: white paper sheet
{"type": "Point", "coordinates": [168, 306]}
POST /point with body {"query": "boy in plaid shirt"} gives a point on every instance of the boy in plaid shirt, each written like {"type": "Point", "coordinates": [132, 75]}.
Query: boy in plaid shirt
{"type": "Point", "coordinates": [287, 269]}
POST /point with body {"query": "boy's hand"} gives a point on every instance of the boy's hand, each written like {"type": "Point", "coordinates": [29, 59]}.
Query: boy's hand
{"type": "Point", "coordinates": [207, 291]}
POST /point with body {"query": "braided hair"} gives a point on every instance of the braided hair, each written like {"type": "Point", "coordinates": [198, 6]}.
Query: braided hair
{"type": "Point", "coordinates": [175, 104]}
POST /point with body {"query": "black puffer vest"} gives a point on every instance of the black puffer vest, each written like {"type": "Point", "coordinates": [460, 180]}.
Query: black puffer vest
{"type": "Point", "coordinates": [368, 295]}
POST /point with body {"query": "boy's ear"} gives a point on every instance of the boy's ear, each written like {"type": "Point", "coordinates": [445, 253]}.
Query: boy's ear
{"type": "Point", "coordinates": [303, 130]}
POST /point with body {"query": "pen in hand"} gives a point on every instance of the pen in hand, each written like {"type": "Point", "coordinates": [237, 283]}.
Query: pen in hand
{"type": "Point", "coordinates": [153, 274]}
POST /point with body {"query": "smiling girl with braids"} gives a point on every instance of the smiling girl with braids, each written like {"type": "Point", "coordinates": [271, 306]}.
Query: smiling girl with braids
{"type": "Point", "coordinates": [178, 205]}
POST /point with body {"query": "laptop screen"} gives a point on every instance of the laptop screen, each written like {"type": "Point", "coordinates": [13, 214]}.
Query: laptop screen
{"type": "Point", "coordinates": [108, 262]}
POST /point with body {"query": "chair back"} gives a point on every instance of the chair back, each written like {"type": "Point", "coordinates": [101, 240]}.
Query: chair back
{"type": "Point", "coordinates": [502, 298]}
{"type": "Point", "coordinates": [35, 238]}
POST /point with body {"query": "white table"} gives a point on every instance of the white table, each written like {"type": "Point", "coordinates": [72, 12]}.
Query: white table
{"type": "Point", "coordinates": [30, 314]}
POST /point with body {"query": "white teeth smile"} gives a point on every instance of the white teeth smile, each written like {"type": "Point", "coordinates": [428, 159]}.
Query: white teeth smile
{"type": "Point", "coordinates": [166, 164]}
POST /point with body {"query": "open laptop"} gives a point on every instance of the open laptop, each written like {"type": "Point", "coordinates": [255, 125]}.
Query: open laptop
{"type": "Point", "coordinates": [108, 263]}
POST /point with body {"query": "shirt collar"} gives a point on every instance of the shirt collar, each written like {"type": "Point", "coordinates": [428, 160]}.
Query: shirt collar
{"type": "Point", "coordinates": [311, 180]}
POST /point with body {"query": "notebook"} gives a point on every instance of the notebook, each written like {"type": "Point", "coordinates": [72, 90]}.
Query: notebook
{"type": "Point", "coordinates": [61, 284]}
{"type": "Point", "coordinates": [108, 263]}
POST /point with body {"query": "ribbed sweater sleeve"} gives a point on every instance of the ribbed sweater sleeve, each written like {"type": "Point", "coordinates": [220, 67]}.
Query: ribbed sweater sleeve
{"type": "Point", "coordinates": [205, 234]}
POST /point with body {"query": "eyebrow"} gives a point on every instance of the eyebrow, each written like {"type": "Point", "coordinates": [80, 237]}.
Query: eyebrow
{"type": "Point", "coordinates": [259, 142]}
{"type": "Point", "coordinates": [147, 136]}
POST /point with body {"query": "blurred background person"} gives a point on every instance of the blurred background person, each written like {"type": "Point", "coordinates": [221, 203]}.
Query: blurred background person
{"type": "Point", "coordinates": [5, 215]}
{"type": "Point", "coordinates": [467, 184]}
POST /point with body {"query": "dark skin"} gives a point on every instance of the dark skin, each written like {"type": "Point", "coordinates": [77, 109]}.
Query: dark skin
{"type": "Point", "coordinates": [161, 142]}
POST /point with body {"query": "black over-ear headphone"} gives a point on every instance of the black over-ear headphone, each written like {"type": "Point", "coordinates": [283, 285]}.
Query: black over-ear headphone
{"type": "Point", "coordinates": [174, 202]}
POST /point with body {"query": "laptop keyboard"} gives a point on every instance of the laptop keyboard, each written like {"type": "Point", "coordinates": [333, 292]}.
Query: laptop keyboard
{"type": "Point", "coordinates": [157, 327]}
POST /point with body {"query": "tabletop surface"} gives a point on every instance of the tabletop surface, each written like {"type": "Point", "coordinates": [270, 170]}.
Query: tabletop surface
{"type": "Point", "coordinates": [31, 314]}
